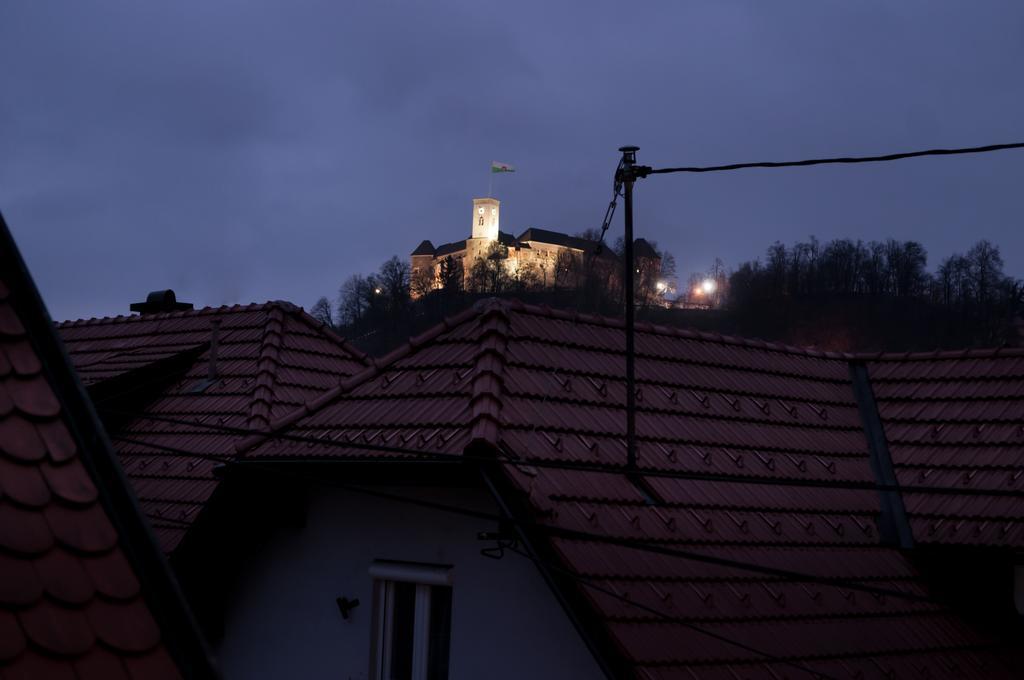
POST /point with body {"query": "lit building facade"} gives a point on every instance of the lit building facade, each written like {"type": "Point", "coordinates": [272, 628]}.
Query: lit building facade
{"type": "Point", "coordinates": [537, 258]}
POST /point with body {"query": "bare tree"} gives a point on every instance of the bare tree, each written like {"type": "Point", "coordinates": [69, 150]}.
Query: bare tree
{"type": "Point", "coordinates": [525, 277]}
{"type": "Point", "coordinates": [985, 265]}
{"type": "Point", "coordinates": [423, 281]}
{"type": "Point", "coordinates": [321, 311]}
{"type": "Point", "coordinates": [906, 264]}
{"type": "Point", "coordinates": [568, 269]}
{"type": "Point", "coordinates": [393, 285]}
{"type": "Point", "coordinates": [354, 298]}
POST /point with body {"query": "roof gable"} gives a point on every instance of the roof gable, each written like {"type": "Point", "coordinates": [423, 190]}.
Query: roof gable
{"type": "Point", "coordinates": [270, 359]}
{"type": "Point", "coordinates": [424, 248]}
{"type": "Point", "coordinates": [544, 389]}
{"type": "Point", "coordinates": [643, 248]}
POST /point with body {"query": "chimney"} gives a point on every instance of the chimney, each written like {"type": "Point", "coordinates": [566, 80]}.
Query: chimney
{"type": "Point", "coordinates": [160, 301]}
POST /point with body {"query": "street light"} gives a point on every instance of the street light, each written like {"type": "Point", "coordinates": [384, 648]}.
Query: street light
{"type": "Point", "coordinates": [708, 286]}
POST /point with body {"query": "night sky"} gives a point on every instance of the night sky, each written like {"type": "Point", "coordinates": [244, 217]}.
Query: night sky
{"type": "Point", "coordinates": [241, 151]}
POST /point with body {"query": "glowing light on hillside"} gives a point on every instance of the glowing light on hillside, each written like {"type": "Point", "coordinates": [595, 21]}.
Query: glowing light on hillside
{"type": "Point", "coordinates": [708, 286]}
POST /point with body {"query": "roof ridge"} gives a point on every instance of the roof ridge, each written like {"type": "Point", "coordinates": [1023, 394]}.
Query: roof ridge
{"type": "Point", "coordinates": [489, 372]}
{"type": "Point", "coordinates": [337, 338]}
{"type": "Point", "coordinates": [375, 367]}
{"type": "Point", "coordinates": [159, 316]}
{"type": "Point", "coordinates": [943, 354]}
{"type": "Point", "coordinates": [659, 329]}
{"type": "Point", "coordinates": [267, 363]}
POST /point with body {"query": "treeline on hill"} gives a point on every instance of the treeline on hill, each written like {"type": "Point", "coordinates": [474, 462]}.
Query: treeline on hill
{"type": "Point", "coordinates": [842, 295]}
{"type": "Point", "coordinates": [851, 295]}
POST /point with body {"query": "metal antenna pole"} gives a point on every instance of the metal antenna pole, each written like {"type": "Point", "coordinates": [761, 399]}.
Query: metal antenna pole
{"type": "Point", "coordinates": [627, 176]}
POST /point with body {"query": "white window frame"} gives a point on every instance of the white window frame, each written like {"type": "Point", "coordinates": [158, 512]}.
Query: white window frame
{"type": "Point", "coordinates": [386, 574]}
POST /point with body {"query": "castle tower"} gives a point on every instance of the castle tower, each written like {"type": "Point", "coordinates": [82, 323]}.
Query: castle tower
{"type": "Point", "coordinates": [485, 232]}
{"type": "Point", "coordinates": [485, 218]}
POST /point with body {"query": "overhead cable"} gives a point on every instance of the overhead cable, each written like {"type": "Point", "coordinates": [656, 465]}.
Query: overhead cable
{"type": "Point", "coordinates": [643, 171]}
{"type": "Point", "coordinates": [647, 472]}
{"type": "Point", "coordinates": [666, 617]}
{"type": "Point", "coordinates": [666, 550]}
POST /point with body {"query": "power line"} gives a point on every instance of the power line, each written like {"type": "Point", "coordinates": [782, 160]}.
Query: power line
{"type": "Point", "coordinates": [571, 534]}
{"type": "Point", "coordinates": [643, 171]}
{"type": "Point", "coordinates": [588, 583]}
{"type": "Point", "coordinates": [574, 534]}
{"type": "Point", "coordinates": [575, 466]}
{"type": "Point", "coordinates": [175, 451]}
{"type": "Point", "coordinates": [183, 524]}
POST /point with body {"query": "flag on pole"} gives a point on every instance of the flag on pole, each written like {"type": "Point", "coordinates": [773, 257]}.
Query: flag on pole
{"type": "Point", "coordinates": [501, 167]}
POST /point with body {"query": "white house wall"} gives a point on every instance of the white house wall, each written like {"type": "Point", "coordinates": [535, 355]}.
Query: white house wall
{"type": "Point", "coordinates": [283, 621]}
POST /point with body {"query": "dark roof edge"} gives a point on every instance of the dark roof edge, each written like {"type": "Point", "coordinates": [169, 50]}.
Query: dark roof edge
{"type": "Point", "coordinates": [943, 354]}
{"type": "Point", "coordinates": [424, 248]}
{"type": "Point", "coordinates": [643, 248]}
{"type": "Point", "coordinates": [489, 304]}
{"type": "Point", "coordinates": [179, 631]}
{"type": "Point", "coordinates": [284, 305]}
{"type": "Point", "coordinates": [328, 332]}
{"type": "Point", "coordinates": [573, 602]}
{"type": "Point", "coordinates": [159, 316]}
{"type": "Point", "coordinates": [672, 331]}
{"type": "Point", "coordinates": [894, 526]}
{"type": "Point", "coordinates": [755, 343]}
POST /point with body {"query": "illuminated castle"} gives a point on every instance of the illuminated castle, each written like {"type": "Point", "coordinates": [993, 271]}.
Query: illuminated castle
{"type": "Point", "coordinates": [535, 258]}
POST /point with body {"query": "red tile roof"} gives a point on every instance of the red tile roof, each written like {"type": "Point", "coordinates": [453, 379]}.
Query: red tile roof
{"type": "Point", "coordinates": [545, 387]}
{"type": "Point", "coordinates": [271, 358]}
{"type": "Point", "coordinates": [956, 420]}
{"type": "Point", "coordinates": [76, 589]}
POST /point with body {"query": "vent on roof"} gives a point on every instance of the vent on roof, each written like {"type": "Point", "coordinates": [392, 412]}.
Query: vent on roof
{"type": "Point", "coordinates": [212, 374]}
{"type": "Point", "coordinates": [160, 301]}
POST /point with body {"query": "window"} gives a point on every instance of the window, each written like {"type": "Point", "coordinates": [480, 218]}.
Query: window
{"type": "Point", "coordinates": [412, 621]}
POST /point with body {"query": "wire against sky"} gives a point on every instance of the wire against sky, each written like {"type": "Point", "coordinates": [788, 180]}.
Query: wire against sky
{"type": "Point", "coordinates": [643, 171]}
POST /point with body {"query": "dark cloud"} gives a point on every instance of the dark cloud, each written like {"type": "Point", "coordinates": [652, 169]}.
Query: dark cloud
{"type": "Point", "coordinates": [249, 150]}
